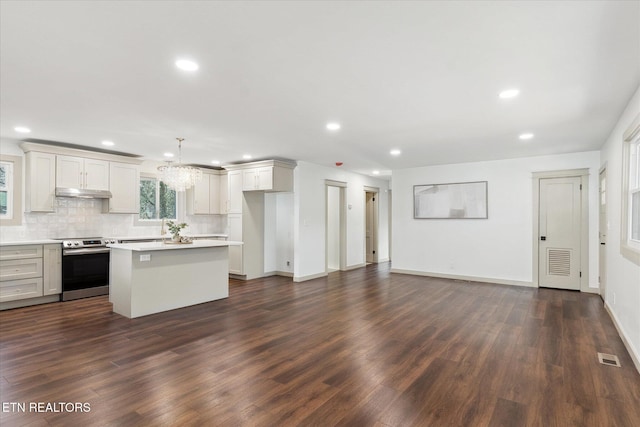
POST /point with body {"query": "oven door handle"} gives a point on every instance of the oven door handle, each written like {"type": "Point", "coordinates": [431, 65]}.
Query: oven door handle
{"type": "Point", "coordinates": [67, 252]}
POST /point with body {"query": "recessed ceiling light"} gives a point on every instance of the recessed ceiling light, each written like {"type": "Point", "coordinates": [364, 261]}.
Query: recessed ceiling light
{"type": "Point", "coordinates": [247, 157]}
{"type": "Point", "coordinates": [526, 136]}
{"type": "Point", "coordinates": [186, 65]}
{"type": "Point", "coordinates": [376, 172]}
{"type": "Point", "coordinates": [215, 162]}
{"type": "Point", "coordinates": [509, 93]}
{"type": "Point", "coordinates": [22, 129]}
{"type": "Point", "coordinates": [108, 143]}
{"type": "Point", "coordinates": [395, 152]}
{"type": "Point", "coordinates": [168, 154]}
{"type": "Point", "coordinates": [333, 126]}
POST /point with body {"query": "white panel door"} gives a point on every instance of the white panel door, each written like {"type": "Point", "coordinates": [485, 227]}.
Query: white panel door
{"type": "Point", "coordinates": [559, 248]}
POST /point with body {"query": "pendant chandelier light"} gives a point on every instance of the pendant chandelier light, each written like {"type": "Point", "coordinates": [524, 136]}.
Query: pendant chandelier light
{"type": "Point", "coordinates": [179, 177]}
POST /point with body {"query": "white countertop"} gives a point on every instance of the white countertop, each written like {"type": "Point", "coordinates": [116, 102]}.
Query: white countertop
{"type": "Point", "coordinates": [31, 242]}
{"type": "Point", "coordinates": [158, 236]}
{"type": "Point", "coordinates": [159, 246]}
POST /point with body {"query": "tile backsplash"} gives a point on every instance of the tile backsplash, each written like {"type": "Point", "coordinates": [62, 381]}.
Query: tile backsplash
{"type": "Point", "coordinates": [84, 218]}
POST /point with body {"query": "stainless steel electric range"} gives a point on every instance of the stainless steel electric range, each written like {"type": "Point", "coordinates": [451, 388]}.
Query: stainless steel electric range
{"type": "Point", "coordinates": [85, 267]}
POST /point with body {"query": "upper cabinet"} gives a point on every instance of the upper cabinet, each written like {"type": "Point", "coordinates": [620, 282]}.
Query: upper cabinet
{"type": "Point", "coordinates": [40, 182]}
{"type": "Point", "coordinates": [51, 166]}
{"type": "Point", "coordinates": [124, 184]}
{"type": "Point", "coordinates": [234, 191]}
{"type": "Point", "coordinates": [224, 193]}
{"type": "Point", "coordinates": [276, 177]}
{"type": "Point", "coordinates": [79, 172]}
{"type": "Point", "coordinates": [204, 197]}
{"type": "Point", "coordinates": [267, 175]}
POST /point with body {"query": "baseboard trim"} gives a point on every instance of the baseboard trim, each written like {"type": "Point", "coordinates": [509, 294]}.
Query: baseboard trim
{"type": "Point", "coordinates": [635, 356]}
{"type": "Point", "coordinates": [466, 278]}
{"type": "Point", "coordinates": [29, 301]}
{"type": "Point", "coordinates": [278, 273]}
{"type": "Point", "coordinates": [309, 277]}
{"type": "Point", "coordinates": [355, 266]}
{"type": "Point", "coordinates": [383, 260]}
{"type": "Point", "coordinates": [284, 273]}
{"type": "Point", "coordinates": [591, 291]}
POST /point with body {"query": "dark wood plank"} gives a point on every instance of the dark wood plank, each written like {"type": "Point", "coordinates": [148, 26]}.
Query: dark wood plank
{"type": "Point", "coordinates": [358, 348]}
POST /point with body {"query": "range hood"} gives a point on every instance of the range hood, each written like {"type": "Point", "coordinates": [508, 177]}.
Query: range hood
{"type": "Point", "coordinates": [82, 193]}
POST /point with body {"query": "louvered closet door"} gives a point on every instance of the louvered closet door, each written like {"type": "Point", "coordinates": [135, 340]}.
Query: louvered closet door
{"type": "Point", "coordinates": [559, 257]}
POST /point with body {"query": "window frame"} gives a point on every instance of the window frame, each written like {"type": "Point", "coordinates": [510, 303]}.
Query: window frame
{"type": "Point", "coordinates": [156, 221]}
{"type": "Point", "coordinates": [15, 191]}
{"type": "Point", "coordinates": [630, 248]}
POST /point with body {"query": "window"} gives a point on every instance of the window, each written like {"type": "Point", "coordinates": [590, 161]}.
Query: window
{"type": "Point", "coordinates": [10, 190]}
{"type": "Point", "coordinates": [6, 190]}
{"type": "Point", "coordinates": [157, 201]}
{"type": "Point", "coordinates": [634, 192]}
{"type": "Point", "coordinates": [630, 224]}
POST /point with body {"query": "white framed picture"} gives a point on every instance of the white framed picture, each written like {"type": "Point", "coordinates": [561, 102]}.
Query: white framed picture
{"type": "Point", "coordinates": [459, 200]}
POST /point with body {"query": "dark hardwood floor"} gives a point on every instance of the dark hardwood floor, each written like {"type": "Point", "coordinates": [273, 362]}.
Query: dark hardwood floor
{"type": "Point", "coordinates": [359, 348]}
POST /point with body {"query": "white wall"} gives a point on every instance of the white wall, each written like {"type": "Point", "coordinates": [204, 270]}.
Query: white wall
{"type": "Point", "coordinates": [499, 248]}
{"type": "Point", "coordinates": [310, 211]}
{"type": "Point", "coordinates": [622, 276]}
{"type": "Point", "coordinates": [278, 232]}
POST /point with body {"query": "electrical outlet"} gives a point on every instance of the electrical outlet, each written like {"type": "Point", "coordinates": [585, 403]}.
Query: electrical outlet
{"type": "Point", "coordinates": [145, 257]}
{"type": "Point", "coordinates": [288, 263]}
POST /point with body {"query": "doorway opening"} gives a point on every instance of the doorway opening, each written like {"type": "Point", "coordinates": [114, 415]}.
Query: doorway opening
{"type": "Point", "coordinates": [371, 225]}
{"type": "Point", "coordinates": [602, 234]}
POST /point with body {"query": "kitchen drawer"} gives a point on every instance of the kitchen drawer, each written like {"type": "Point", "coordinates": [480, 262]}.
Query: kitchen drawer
{"type": "Point", "coordinates": [19, 252]}
{"type": "Point", "coordinates": [20, 269]}
{"type": "Point", "coordinates": [20, 289]}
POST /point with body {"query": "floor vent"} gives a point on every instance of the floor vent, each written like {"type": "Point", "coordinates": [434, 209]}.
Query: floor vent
{"type": "Point", "coordinates": [609, 359]}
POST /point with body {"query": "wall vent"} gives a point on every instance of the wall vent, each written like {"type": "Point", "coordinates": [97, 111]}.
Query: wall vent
{"type": "Point", "coordinates": [559, 262]}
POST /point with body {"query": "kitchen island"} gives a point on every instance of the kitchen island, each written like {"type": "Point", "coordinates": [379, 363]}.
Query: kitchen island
{"type": "Point", "coordinates": [153, 277]}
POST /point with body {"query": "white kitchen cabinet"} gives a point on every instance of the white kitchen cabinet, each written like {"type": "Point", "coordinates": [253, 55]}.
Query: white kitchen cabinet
{"type": "Point", "coordinates": [12, 290]}
{"type": "Point", "coordinates": [224, 194]}
{"type": "Point", "coordinates": [15, 269]}
{"type": "Point", "coordinates": [257, 179]}
{"type": "Point", "coordinates": [124, 184]}
{"type": "Point", "coordinates": [236, 264]}
{"type": "Point", "coordinates": [79, 172]}
{"type": "Point", "coordinates": [52, 269]}
{"type": "Point", "coordinates": [214, 194]}
{"type": "Point", "coordinates": [268, 178]}
{"type": "Point", "coordinates": [30, 274]}
{"type": "Point", "coordinates": [234, 179]}
{"type": "Point", "coordinates": [204, 197]}
{"type": "Point", "coordinates": [40, 182]}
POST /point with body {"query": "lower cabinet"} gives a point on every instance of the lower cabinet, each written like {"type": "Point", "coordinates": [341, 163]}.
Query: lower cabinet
{"type": "Point", "coordinates": [28, 273]}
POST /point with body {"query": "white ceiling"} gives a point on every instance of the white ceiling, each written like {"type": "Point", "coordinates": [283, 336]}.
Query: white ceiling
{"type": "Point", "coordinates": [419, 76]}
